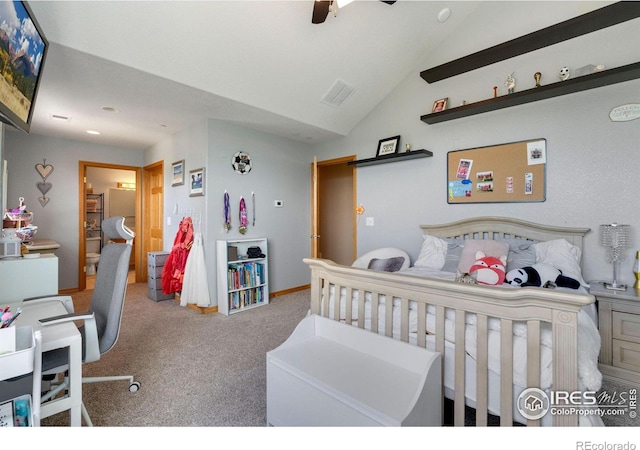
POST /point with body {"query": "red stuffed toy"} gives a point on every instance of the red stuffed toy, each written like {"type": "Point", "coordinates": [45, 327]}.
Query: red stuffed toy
{"type": "Point", "coordinates": [489, 269]}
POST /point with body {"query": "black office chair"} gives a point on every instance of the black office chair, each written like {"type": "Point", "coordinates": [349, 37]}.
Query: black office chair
{"type": "Point", "coordinates": [102, 322]}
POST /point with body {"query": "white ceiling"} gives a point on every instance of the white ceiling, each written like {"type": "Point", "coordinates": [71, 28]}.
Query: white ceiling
{"type": "Point", "coordinates": [261, 64]}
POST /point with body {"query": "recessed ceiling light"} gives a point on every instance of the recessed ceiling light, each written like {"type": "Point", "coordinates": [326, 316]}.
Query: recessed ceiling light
{"type": "Point", "coordinates": [110, 109]}
{"type": "Point", "coordinates": [59, 118]}
{"type": "Point", "coordinates": [92, 132]}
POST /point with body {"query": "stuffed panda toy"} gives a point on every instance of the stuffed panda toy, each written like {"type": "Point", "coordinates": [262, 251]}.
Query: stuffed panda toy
{"type": "Point", "coordinates": [544, 275]}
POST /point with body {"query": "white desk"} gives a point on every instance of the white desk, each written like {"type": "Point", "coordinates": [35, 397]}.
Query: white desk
{"type": "Point", "coordinates": [22, 278]}
{"type": "Point", "coordinates": [53, 337]}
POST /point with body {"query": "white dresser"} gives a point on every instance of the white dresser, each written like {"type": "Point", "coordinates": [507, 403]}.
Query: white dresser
{"type": "Point", "coordinates": [22, 278]}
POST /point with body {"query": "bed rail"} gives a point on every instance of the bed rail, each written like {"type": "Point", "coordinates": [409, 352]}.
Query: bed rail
{"type": "Point", "coordinates": [495, 227]}
{"type": "Point", "coordinates": [532, 306]}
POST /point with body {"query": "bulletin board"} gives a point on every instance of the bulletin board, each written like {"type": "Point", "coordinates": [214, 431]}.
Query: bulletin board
{"type": "Point", "coordinates": [504, 173]}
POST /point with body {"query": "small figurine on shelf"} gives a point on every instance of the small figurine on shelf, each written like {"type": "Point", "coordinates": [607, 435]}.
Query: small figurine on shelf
{"type": "Point", "coordinates": [510, 83]}
{"type": "Point", "coordinates": [537, 76]}
{"type": "Point", "coordinates": [495, 91]}
{"type": "Point", "coordinates": [564, 74]}
{"type": "Point", "coordinates": [407, 147]}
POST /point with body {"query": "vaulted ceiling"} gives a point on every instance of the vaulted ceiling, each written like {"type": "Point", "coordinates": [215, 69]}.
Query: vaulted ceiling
{"type": "Point", "coordinates": [140, 71]}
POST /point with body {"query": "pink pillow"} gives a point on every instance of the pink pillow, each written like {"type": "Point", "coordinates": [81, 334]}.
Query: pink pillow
{"type": "Point", "coordinates": [487, 246]}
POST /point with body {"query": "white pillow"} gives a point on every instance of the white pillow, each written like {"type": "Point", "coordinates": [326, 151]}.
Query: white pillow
{"type": "Point", "coordinates": [432, 253]}
{"type": "Point", "coordinates": [562, 255]}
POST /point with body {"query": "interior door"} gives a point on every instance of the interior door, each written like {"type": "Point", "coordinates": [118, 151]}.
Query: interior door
{"type": "Point", "coordinates": [334, 230]}
{"type": "Point", "coordinates": [153, 194]}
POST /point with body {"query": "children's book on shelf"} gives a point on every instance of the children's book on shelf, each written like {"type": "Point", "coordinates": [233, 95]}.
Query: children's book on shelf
{"type": "Point", "coordinates": [16, 412]}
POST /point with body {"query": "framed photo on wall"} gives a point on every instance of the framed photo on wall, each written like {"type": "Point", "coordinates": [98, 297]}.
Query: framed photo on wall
{"type": "Point", "coordinates": [388, 146]}
{"type": "Point", "coordinates": [196, 182]}
{"type": "Point", "coordinates": [177, 169]}
{"type": "Point", "coordinates": [440, 105]}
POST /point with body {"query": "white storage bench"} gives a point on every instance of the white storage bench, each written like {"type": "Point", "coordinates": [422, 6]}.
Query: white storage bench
{"type": "Point", "coordinates": [331, 374]}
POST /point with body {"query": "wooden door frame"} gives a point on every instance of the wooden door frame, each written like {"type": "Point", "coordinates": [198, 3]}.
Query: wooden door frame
{"type": "Point", "coordinates": [314, 208]}
{"type": "Point", "coordinates": [315, 217]}
{"type": "Point", "coordinates": [146, 192]}
{"type": "Point", "coordinates": [82, 249]}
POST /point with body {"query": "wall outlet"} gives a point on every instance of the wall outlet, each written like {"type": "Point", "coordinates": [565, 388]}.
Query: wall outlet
{"type": "Point", "coordinates": [369, 221]}
{"type": "Point", "coordinates": [278, 203]}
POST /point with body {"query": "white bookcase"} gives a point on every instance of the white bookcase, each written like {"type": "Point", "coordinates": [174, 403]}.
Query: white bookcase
{"type": "Point", "coordinates": [243, 282]}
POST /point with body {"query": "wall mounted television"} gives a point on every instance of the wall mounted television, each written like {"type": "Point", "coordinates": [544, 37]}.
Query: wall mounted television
{"type": "Point", "coordinates": [23, 49]}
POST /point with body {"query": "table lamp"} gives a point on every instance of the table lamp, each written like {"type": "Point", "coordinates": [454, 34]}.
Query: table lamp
{"type": "Point", "coordinates": [615, 238]}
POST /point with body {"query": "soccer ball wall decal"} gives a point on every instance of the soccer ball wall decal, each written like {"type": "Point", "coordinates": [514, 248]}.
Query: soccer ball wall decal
{"type": "Point", "coordinates": [241, 163]}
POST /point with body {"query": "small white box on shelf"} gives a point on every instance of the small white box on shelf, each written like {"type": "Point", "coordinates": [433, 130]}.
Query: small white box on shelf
{"type": "Point", "coordinates": [585, 70]}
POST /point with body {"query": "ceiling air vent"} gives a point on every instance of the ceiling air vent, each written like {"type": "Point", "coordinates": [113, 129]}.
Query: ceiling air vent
{"type": "Point", "coordinates": [338, 93]}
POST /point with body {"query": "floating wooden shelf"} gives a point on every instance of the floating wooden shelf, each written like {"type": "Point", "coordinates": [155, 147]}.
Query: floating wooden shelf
{"type": "Point", "coordinates": [583, 83]}
{"type": "Point", "coordinates": [413, 154]}
{"type": "Point", "coordinates": [596, 20]}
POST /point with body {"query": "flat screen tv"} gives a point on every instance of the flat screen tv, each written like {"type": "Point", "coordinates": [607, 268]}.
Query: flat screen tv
{"type": "Point", "coordinates": [23, 48]}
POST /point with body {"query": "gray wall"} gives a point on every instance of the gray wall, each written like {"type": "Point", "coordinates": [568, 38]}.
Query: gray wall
{"type": "Point", "coordinates": [58, 220]}
{"type": "Point", "coordinates": [280, 171]}
{"type": "Point", "coordinates": [592, 162]}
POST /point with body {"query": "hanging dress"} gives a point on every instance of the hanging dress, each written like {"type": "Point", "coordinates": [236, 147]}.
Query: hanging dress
{"type": "Point", "coordinates": [173, 270]}
{"type": "Point", "coordinates": [195, 287]}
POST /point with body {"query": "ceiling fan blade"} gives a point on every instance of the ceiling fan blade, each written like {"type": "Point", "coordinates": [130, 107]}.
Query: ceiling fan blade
{"type": "Point", "coordinates": [320, 11]}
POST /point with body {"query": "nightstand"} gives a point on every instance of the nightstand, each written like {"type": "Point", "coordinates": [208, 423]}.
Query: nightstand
{"type": "Point", "coordinates": [619, 324]}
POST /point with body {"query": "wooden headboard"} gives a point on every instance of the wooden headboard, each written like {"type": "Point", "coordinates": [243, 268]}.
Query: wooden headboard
{"type": "Point", "coordinates": [505, 227]}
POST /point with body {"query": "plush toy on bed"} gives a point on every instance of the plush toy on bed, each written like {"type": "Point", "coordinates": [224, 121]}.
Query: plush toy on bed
{"type": "Point", "coordinates": [544, 275]}
{"type": "Point", "coordinates": [488, 269]}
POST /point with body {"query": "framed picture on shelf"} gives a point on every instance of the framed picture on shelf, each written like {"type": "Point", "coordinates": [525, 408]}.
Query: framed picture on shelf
{"type": "Point", "coordinates": [196, 180]}
{"type": "Point", "coordinates": [388, 146]}
{"type": "Point", "coordinates": [440, 105]}
{"type": "Point", "coordinates": [177, 169]}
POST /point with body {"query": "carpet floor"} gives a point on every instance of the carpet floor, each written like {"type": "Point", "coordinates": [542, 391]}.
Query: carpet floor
{"type": "Point", "coordinates": [194, 369]}
{"type": "Point", "coordinates": [198, 370]}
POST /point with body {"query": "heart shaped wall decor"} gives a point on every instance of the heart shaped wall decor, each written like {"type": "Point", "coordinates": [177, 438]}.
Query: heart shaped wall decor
{"type": "Point", "coordinates": [43, 187]}
{"type": "Point", "coordinates": [44, 170]}
{"type": "Point", "coordinates": [43, 201]}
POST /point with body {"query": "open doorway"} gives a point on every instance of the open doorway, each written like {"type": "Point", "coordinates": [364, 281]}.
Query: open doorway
{"type": "Point", "coordinates": [107, 190]}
